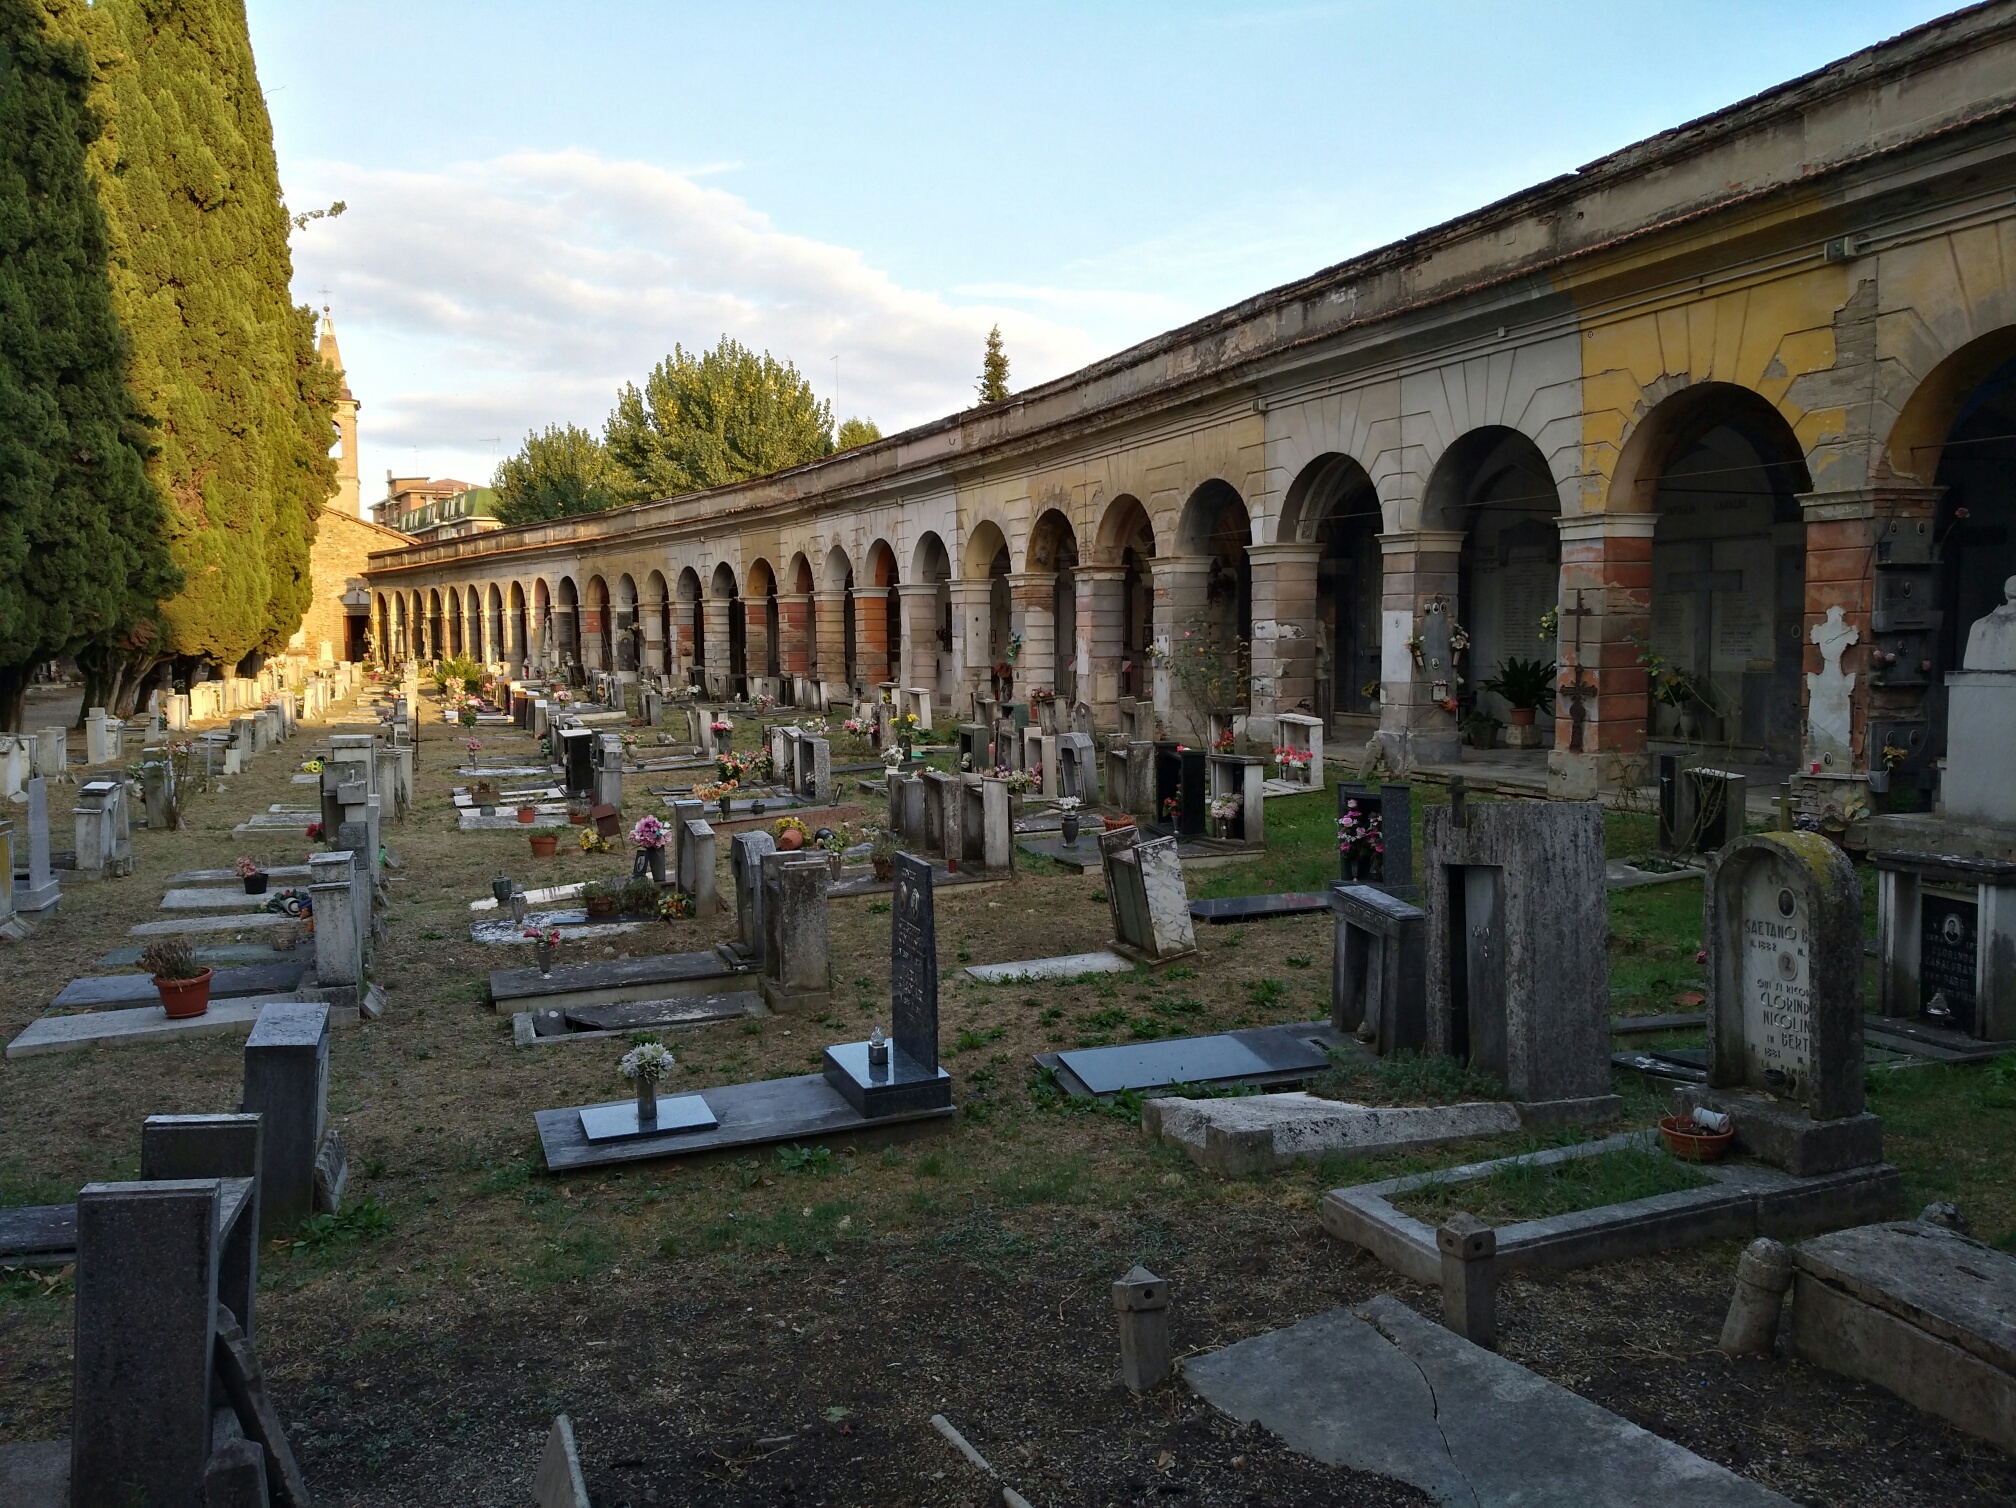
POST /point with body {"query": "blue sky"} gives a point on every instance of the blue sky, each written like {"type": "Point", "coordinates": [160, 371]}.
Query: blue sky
{"type": "Point", "coordinates": [544, 198]}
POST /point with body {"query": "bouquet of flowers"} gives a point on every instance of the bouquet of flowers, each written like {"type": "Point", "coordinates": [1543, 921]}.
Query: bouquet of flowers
{"type": "Point", "coordinates": [473, 744]}
{"type": "Point", "coordinates": [675, 905]}
{"type": "Point", "coordinates": [546, 937]}
{"type": "Point", "coordinates": [729, 768]}
{"type": "Point", "coordinates": [1021, 782]}
{"type": "Point", "coordinates": [1292, 759]}
{"type": "Point", "coordinates": [1228, 806]}
{"type": "Point", "coordinates": [648, 1061]}
{"type": "Point", "coordinates": [857, 725]}
{"type": "Point", "coordinates": [314, 832]}
{"type": "Point", "coordinates": [648, 833]}
{"type": "Point", "coordinates": [892, 756]}
{"type": "Point", "coordinates": [1223, 742]}
{"type": "Point", "coordinates": [1358, 831]}
{"type": "Point", "coordinates": [246, 867]}
{"type": "Point", "coordinates": [722, 725]}
{"type": "Point", "coordinates": [592, 841]}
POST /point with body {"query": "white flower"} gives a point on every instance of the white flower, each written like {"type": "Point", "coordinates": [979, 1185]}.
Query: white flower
{"type": "Point", "coordinates": [649, 1060]}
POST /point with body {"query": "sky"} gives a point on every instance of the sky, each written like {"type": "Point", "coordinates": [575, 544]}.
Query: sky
{"type": "Point", "coordinates": [543, 199]}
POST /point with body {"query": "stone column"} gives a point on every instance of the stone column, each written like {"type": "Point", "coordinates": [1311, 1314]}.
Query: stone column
{"type": "Point", "coordinates": [590, 647]}
{"type": "Point", "coordinates": [755, 636]}
{"type": "Point", "coordinates": [714, 611]}
{"type": "Point", "coordinates": [1032, 613]}
{"type": "Point", "coordinates": [871, 633]}
{"type": "Point", "coordinates": [1607, 559]}
{"type": "Point", "coordinates": [654, 640]}
{"type": "Point", "coordinates": [1847, 532]}
{"type": "Point", "coordinates": [1284, 632]}
{"type": "Point", "coordinates": [918, 665]}
{"type": "Point", "coordinates": [971, 647]}
{"type": "Point", "coordinates": [1102, 617]}
{"type": "Point", "coordinates": [794, 634]}
{"type": "Point", "coordinates": [1417, 564]}
{"type": "Point", "coordinates": [830, 653]}
{"type": "Point", "coordinates": [1179, 599]}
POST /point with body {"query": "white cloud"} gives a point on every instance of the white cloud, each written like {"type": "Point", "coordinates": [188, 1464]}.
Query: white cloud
{"type": "Point", "coordinates": [491, 298]}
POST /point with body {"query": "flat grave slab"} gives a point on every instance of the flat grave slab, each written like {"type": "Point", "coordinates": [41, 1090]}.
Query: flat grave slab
{"type": "Point", "coordinates": [1260, 1055]}
{"type": "Point", "coordinates": [1082, 856]}
{"type": "Point", "coordinates": [1674, 1021]}
{"type": "Point", "coordinates": [543, 897]}
{"type": "Point", "coordinates": [579, 986]}
{"type": "Point", "coordinates": [800, 1109]}
{"type": "Point", "coordinates": [220, 954]}
{"type": "Point", "coordinates": [176, 926]}
{"type": "Point", "coordinates": [107, 991]}
{"type": "Point", "coordinates": [941, 879]}
{"type": "Point", "coordinates": [210, 876]}
{"type": "Point", "coordinates": [529, 771]}
{"type": "Point", "coordinates": [1066, 966]}
{"type": "Point", "coordinates": [469, 820]}
{"type": "Point", "coordinates": [270, 822]}
{"type": "Point", "coordinates": [304, 779]}
{"type": "Point", "coordinates": [125, 1028]}
{"type": "Point", "coordinates": [1921, 1039]}
{"type": "Point", "coordinates": [215, 898]}
{"type": "Point", "coordinates": [574, 928]}
{"type": "Point", "coordinates": [37, 1234]}
{"type": "Point", "coordinates": [1742, 1198]}
{"type": "Point", "coordinates": [1247, 1134]}
{"type": "Point", "coordinates": [597, 1023]}
{"type": "Point", "coordinates": [1380, 1389]}
{"type": "Point", "coordinates": [305, 813]}
{"type": "Point", "coordinates": [1259, 908]}
{"type": "Point", "coordinates": [1619, 874]}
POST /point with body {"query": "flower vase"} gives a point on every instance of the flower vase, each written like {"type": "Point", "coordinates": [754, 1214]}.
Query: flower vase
{"type": "Point", "coordinates": [725, 800]}
{"type": "Point", "coordinates": [544, 952]}
{"type": "Point", "coordinates": [255, 884]}
{"type": "Point", "coordinates": [1071, 828]}
{"type": "Point", "coordinates": [654, 859]}
{"type": "Point", "coordinates": [647, 1100]}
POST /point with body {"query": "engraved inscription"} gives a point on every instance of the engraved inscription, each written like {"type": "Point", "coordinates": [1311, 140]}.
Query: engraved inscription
{"type": "Point", "coordinates": [1776, 989]}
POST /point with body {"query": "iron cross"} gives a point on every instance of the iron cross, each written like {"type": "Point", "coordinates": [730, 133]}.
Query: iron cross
{"type": "Point", "coordinates": [1578, 690]}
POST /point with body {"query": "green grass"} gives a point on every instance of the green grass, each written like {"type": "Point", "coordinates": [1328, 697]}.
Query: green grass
{"type": "Point", "coordinates": [1951, 1129]}
{"type": "Point", "coordinates": [1655, 933]}
{"type": "Point", "coordinates": [1407, 1078]}
{"type": "Point", "coordinates": [1528, 1191]}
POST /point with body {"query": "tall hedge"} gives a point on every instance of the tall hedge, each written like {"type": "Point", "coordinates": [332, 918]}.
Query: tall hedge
{"type": "Point", "coordinates": [81, 550]}
{"type": "Point", "coordinates": [222, 360]}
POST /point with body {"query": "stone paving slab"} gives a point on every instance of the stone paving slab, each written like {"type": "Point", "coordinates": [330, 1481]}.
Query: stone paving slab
{"type": "Point", "coordinates": [98, 992]}
{"type": "Point", "coordinates": [1383, 1390]}
{"type": "Point", "coordinates": [1248, 1134]}
{"type": "Point", "coordinates": [610, 980]}
{"type": "Point", "coordinates": [1941, 1281]}
{"type": "Point", "coordinates": [1255, 908]}
{"type": "Point", "coordinates": [220, 955]}
{"type": "Point", "coordinates": [543, 897]}
{"type": "Point", "coordinates": [176, 926]}
{"type": "Point", "coordinates": [142, 1024]}
{"type": "Point", "coordinates": [469, 820]}
{"type": "Point", "coordinates": [574, 928]}
{"type": "Point", "coordinates": [1067, 966]}
{"type": "Point", "coordinates": [1261, 1055]}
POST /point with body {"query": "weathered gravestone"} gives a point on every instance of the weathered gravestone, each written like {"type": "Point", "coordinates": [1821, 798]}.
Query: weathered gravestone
{"type": "Point", "coordinates": [1378, 982]}
{"type": "Point", "coordinates": [1518, 928]}
{"type": "Point", "coordinates": [287, 1082]}
{"type": "Point", "coordinates": [745, 862]}
{"type": "Point", "coordinates": [1700, 810]}
{"type": "Point", "coordinates": [812, 774]}
{"type": "Point", "coordinates": [1146, 895]}
{"type": "Point", "coordinates": [39, 890]}
{"type": "Point", "coordinates": [797, 970]}
{"type": "Point", "coordinates": [104, 838]}
{"type": "Point", "coordinates": [1077, 767]}
{"type": "Point", "coordinates": [609, 769]}
{"type": "Point", "coordinates": [900, 1075]}
{"type": "Point", "coordinates": [696, 866]}
{"type": "Point", "coordinates": [1782, 918]}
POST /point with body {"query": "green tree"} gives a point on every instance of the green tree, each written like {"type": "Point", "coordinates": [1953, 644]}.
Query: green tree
{"type": "Point", "coordinates": [221, 359]}
{"type": "Point", "coordinates": [709, 419]}
{"type": "Point", "coordinates": [558, 472]}
{"type": "Point", "coordinates": [81, 550]}
{"type": "Point", "coordinates": [993, 384]}
{"type": "Point", "coordinates": [855, 432]}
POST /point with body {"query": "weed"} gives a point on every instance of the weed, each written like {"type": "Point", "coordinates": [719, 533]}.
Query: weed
{"type": "Point", "coordinates": [1059, 1183]}
{"type": "Point", "coordinates": [752, 1028]}
{"type": "Point", "coordinates": [24, 1283]}
{"type": "Point", "coordinates": [931, 1165]}
{"type": "Point", "coordinates": [1266, 993]}
{"type": "Point", "coordinates": [1051, 1016]}
{"type": "Point", "coordinates": [366, 1220]}
{"type": "Point", "coordinates": [1112, 1016]}
{"type": "Point", "coordinates": [1407, 1077]}
{"type": "Point", "coordinates": [1179, 971]}
{"type": "Point", "coordinates": [1098, 895]}
{"type": "Point", "coordinates": [878, 908]}
{"type": "Point", "coordinates": [1145, 1028]}
{"type": "Point", "coordinates": [813, 1162]}
{"type": "Point", "coordinates": [971, 1040]}
{"type": "Point", "coordinates": [965, 955]}
{"type": "Point", "coordinates": [1297, 960]}
{"type": "Point", "coordinates": [568, 1259]}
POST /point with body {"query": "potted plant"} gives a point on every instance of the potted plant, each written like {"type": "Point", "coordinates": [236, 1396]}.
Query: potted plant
{"type": "Point", "coordinates": [545, 947]}
{"type": "Point", "coordinates": [639, 896]}
{"type": "Point", "coordinates": [789, 833]}
{"type": "Point", "coordinates": [545, 845]}
{"type": "Point", "coordinates": [882, 856]}
{"type": "Point", "coordinates": [182, 983]}
{"type": "Point", "coordinates": [253, 876]}
{"type": "Point", "coordinates": [1526, 686]}
{"type": "Point", "coordinates": [644, 1065]}
{"type": "Point", "coordinates": [649, 836]}
{"type": "Point", "coordinates": [602, 899]}
{"type": "Point", "coordinates": [1068, 805]}
{"type": "Point", "coordinates": [527, 813]}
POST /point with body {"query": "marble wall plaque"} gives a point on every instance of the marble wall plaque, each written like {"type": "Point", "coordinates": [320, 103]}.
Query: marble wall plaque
{"type": "Point", "coordinates": [1948, 940]}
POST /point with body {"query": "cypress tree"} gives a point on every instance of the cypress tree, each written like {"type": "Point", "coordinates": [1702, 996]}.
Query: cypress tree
{"type": "Point", "coordinates": [221, 360]}
{"type": "Point", "coordinates": [81, 551]}
{"type": "Point", "coordinates": [993, 384]}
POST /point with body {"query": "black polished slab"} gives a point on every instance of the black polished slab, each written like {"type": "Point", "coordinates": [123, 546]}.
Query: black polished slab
{"type": "Point", "coordinates": [901, 1086]}
{"type": "Point", "coordinates": [1259, 908]}
{"type": "Point", "coordinates": [1260, 1055]}
{"type": "Point", "coordinates": [677, 1113]}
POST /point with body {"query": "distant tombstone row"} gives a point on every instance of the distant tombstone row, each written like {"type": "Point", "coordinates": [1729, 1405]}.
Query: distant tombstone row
{"type": "Point", "coordinates": [965, 819]}
{"type": "Point", "coordinates": [803, 763]}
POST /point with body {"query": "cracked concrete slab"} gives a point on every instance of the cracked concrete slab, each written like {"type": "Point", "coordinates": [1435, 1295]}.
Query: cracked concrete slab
{"type": "Point", "coordinates": [1384, 1390]}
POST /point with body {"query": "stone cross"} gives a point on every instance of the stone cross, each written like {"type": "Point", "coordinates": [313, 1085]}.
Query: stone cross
{"type": "Point", "coordinates": [1830, 692]}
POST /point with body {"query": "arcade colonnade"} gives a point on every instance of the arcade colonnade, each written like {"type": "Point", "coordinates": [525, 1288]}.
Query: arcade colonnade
{"type": "Point", "coordinates": [1722, 425]}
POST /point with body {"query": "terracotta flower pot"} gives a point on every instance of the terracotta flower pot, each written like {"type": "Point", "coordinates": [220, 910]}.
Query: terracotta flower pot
{"type": "Point", "coordinates": [543, 845]}
{"type": "Point", "coordinates": [602, 906]}
{"type": "Point", "coordinates": [1522, 717]}
{"type": "Point", "coordinates": [183, 998]}
{"type": "Point", "coordinates": [1114, 824]}
{"type": "Point", "coordinates": [528, 815]}
{"type": "Point", "coordinates": [1693, 1143]}
{"type": "Point", "coordinates": [790, 840]}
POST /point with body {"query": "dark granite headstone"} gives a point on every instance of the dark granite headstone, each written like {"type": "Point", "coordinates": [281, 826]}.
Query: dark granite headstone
{"type": "Point", "coordinates": [1393, 870]}
{"type": "Point", "coordinates": [913, 962]}
{"type": "Point", "coordinates": [1193, 810]}
{"type": "Point", "coordinates": [1948, 944]}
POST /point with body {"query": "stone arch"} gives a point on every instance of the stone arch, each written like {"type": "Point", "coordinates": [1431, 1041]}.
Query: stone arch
{"type": "Point", "coordinates": [1944, 398]}
{"type": "Point", "coordinates": [597, 629]}
{"type": "Point", "coordinates": [1125, 525]}
{"type": "Point", "coordinates": [799, 574]}
{"type": "Point", "coordinates": [1679, 420]}
{"type": "Point", "coordinates": [1126, 539]}
{"type": "Point", "coordinates": [881, 564]}
{"type": "Point", "coordinates": [567, 621]}
{"type": "Point", "coordinates": [1216, 526]}
{"type": "Point", "coordinates": [930, 561]}
{"type": "Point", "coordinates": [1334, 505]}
{"type": "Point", "coordinates": [1331, 484]}
{"type": "Point", "coordinates": [879, 626]}
{"type": "Point", "coordinates": [692, 623]}
{"type": "Point", "coordinates": [985, 542]}
{"type": "Point", "coordinates": [493, 636]}
{"type": "Point", "coordinates": [518, 630]}
{"type": "Point", "coordinates": [1204, 518]}
{"type": "Point", "coordinates": [627, 632]}
{"type": "Point", "coordinates": [838, 573]}
{"type": "Point", "coordinates": [1050, 617]}
{"type": "Point", "coordinates": [762, 620]}
{"type": "Point", "coordinates": [723, 588]}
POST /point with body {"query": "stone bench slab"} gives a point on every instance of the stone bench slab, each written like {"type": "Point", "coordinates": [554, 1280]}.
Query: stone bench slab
{"type": "Point", "coordinates": [129, 1027]}
{"type": "Point", "coordinates": [206, 876]}
{"type": "Point", "coordinates": [1383, 1390]}
{"type": "Point", "coordinates": [1251, 1134]}
{"type": "Point", "coordinates": [609, 981]}
{"type": "Point", "coordinates": [176, 926]}
{"type": "Point", "coordinates": [1066, 966]}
